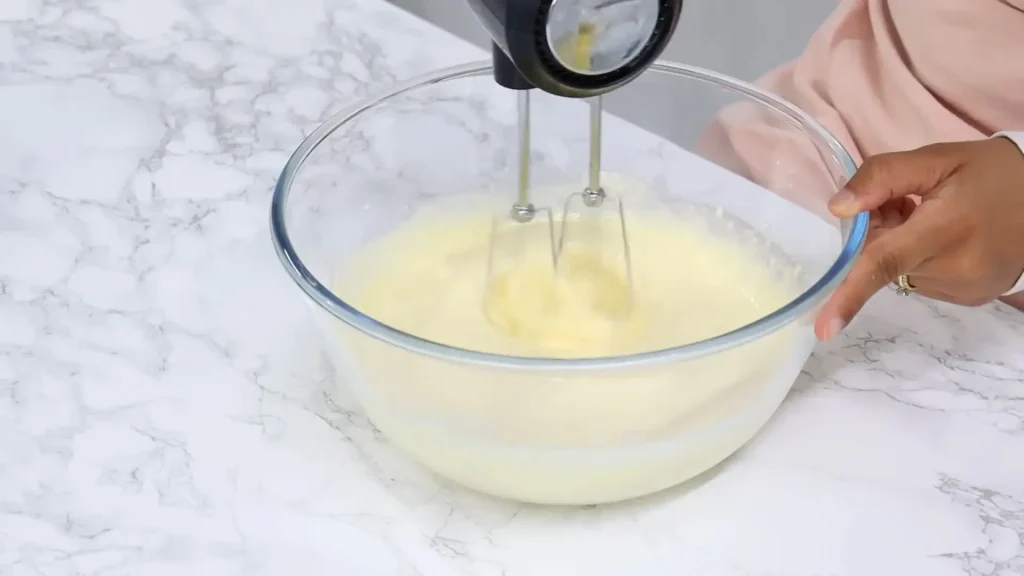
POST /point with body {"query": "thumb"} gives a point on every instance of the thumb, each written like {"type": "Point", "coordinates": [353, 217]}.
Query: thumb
{"type": "Point", "coordinates": [894, 175]}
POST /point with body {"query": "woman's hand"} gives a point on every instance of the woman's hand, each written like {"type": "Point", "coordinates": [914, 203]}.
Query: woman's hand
{"type": "Point", "coordinates": [963, 243]}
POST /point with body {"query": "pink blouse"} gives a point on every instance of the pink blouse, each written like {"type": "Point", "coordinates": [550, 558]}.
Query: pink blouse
{"type": "Point", "coordinates": [887, 75]}
{"type": "Point", "coordinates": [883, 76]}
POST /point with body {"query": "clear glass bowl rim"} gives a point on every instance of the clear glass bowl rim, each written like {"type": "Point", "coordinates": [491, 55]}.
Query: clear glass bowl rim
{"type": "Point", "coordinates": [855, 229]}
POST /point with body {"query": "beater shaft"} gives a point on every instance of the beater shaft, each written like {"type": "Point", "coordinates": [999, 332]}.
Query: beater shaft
{"type": "Point", "coordinates": [594, 180]}
{"type": "Point", "coordinates": [593, 194]}
{"type": "Point", "coordinates": [523, 210]}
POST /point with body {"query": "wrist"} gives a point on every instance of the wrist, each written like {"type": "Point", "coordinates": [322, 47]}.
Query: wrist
{"type": "Point", "coordinates": [1017, 137]}
{"type": "Point", "coordinates": [1018, 288]}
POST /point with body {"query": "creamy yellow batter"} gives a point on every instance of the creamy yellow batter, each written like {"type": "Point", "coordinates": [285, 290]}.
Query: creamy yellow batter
{"type": "Point", "coordinates": [532, 435]}
{"type": "Point", "coordinates": [429, 278]}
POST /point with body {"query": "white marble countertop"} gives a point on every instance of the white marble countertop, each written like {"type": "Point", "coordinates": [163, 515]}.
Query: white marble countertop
{"type": "Point", "coordinates": [164, 408]}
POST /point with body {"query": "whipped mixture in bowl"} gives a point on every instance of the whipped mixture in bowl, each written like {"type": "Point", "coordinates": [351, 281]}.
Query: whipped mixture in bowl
{"type": "Point", "coordinates": [570, 437]}
{"type": "Point", "coordinates": [429, 278]}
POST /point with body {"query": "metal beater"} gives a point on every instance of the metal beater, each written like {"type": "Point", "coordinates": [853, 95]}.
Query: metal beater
{"type": "Point", "coordinates": [593, 223]}
{"type": "Point", "coordinates": [511, 232]}
{"type": "Point", "coordinates": [575, 49]}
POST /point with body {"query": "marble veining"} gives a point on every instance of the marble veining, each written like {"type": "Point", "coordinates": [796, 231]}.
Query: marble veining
{"type": "Point", "coordinates": [165, 408]}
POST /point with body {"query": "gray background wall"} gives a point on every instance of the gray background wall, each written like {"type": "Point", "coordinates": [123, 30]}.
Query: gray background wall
{"type": "Point", "coordinates": [742, 38]}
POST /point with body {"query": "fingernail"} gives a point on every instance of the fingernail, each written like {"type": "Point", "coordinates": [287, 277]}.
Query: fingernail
{"type": "Point", "coordinates": [843, 203]}
{"type": "Point", "coordinates": [834, 326]}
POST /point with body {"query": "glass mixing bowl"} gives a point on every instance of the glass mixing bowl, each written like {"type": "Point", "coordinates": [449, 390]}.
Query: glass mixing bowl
{"type": "Point", "coordinates": [548, 430]}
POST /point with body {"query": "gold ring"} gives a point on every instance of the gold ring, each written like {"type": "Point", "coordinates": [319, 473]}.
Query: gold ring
{"type": "Point", "coordinates": [903, 285]}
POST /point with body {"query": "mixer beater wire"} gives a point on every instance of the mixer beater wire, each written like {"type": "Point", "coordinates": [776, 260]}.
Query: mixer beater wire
{"type": "Point", "coordinates": [592, 230]}
{"type": "Point", "coordinates": [511, 232]}
{"type": "Point", "coordinates": [591, 251]}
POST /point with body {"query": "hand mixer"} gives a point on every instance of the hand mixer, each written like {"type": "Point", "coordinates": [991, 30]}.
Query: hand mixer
{"type": "Point", "coordinates": [574, 49]}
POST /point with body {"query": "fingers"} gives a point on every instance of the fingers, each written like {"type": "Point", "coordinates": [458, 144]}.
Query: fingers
{"type": "Point", "coordinates": [887, 177]}
{"type": "Point", "coordinates": [895, 252]}
{"type": "Point", "coordinates": [895, 212]}
{"type": "Point", "coordinates": [937, 284]}
{"type": "Point", "coordinates": [929, 288]}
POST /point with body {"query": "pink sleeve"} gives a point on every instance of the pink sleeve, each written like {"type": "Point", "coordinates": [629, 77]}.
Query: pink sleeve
{"type": "Point", "coordinates": [766, 148]}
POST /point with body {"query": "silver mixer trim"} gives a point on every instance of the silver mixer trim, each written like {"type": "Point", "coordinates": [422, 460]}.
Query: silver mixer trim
{"type": "Point", "coordinates": [594, 37]}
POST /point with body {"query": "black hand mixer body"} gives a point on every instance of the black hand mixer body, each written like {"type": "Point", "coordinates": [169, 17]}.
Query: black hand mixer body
{"type": "Point", "coordinates": [536, 41]}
